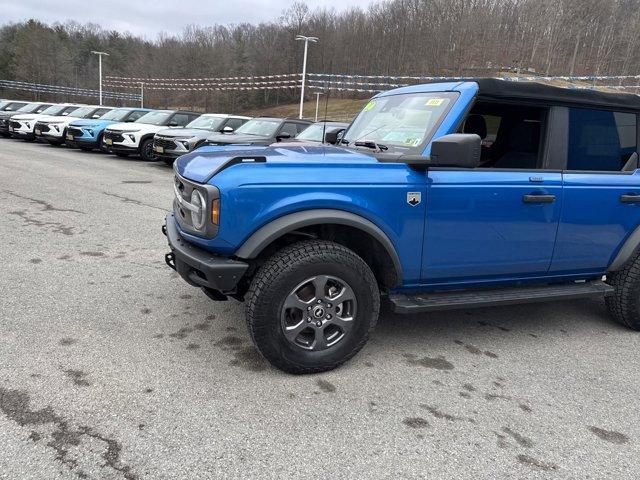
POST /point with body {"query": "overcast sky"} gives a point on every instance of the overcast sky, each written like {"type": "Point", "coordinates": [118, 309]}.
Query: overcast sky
{"type": "Point", "coordinates": [148, 18]}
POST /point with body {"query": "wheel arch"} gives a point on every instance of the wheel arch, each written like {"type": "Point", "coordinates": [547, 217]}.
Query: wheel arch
{"type": "Point", "coordinates": [353, 231]}
{"type": "Point", "coordinates": [627, 252]}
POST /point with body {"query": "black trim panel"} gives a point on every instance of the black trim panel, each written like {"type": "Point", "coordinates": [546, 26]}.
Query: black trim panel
{"type": "Point", "coordinates": [257, 242]}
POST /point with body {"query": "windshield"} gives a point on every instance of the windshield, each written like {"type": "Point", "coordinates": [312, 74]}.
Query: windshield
{"type": "Point", "coordinates": [154, 118]}
{"type": "Point", "coordinates": [206, 123]}
{"type": "Point", "coordinates": [82, 112]}
{"type": "Point", "coordinates": [262, 128]}
{"type": "Point", "coordinates": [29, 107]}
{"type": "Point", "coordinates": [313, 132]}
{"type": "Point", "coordinates": [14, 106]}
{"type": "Point", "coordinates": [401, 123]}
{"type": "Point", "coordinates": [117, 114]}
{"type": "Point", "coordinates": [54, 109]}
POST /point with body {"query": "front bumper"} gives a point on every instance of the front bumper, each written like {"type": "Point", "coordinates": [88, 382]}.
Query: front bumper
{"type": "Point", "coordinates": [199, 267]}
{"type": "Point", "coordinates": [119, 148]}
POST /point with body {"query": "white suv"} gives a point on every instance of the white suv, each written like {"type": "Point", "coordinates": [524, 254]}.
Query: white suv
{"type": "Point", "coordinates": [53, 129]}
{"type": "Point", "coordinates": [136, 138]}
{"type": "Point", "coordinates": [23, 125]}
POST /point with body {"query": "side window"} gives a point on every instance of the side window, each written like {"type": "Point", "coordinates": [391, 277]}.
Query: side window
{"type": "Point", "coordinates": [180, 119]}
{"type": "Point", "coordinates": [512, 135]}
{"type": "Point", "coordinates": [67, 111]}
{"type": "Point", "coordinates": [289, 128]}
{"type": "Point", "coordinates": [42, 108]}
{"type": "Point", "coordinates": [601, 140]}
{"type": "Point", "coordinates": [300, 127]}
{"type": "Point", "coordinates": [100, 112]}
{"type": "Point", "coordinates": [136, 114]}
{"type": "Point", "coordinates": [235, 123]}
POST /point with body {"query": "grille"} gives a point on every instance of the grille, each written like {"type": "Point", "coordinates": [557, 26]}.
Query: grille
{"type": "Point", "coordinates": [43, 127]}
{"type": "Point", "coordinates": [114, 136]}
{"type": "Point", "coordinates": [15, 124]}
{"type": "Point", "coordinates": [164, 143]}
{"type": "Point", "coordinates": [76, 132]}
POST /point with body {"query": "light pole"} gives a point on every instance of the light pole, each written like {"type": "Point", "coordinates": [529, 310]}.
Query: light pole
{"type": "Point", "coordinates": [317, 103]}
{"type": "Point", "coordinates": [306, 41]}
{"type": "Point", "coordinates": [100, 54]}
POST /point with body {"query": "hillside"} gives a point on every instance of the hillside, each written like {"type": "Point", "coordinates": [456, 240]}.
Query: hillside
{"type": "Point", "coordinates": [340, 109]}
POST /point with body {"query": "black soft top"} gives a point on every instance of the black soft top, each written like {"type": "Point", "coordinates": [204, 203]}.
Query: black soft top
{"type": "Point", "coordinates": [492, 88]}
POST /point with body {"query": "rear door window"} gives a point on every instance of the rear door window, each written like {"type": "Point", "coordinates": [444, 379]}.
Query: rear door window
{"type": "Point", "coordinates": [601, 140]}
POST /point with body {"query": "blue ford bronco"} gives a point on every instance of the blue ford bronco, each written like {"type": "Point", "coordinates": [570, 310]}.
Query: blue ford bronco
{"type": "Point", "coordinates": [439, 196]}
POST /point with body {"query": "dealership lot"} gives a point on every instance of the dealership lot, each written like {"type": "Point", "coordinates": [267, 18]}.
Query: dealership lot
{"type": "Point", "coordinates": [112, 367]}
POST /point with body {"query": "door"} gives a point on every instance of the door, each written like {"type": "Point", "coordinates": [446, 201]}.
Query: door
{"type": "Point", "coordinates": [601, 204]}
{"type": "Point", "coordinates": [498, 221]}
{"type": "Point", "coordinates": [490, 224]}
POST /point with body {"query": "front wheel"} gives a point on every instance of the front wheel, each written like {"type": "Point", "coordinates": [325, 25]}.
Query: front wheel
{"type": "Point", "coordinates": [146, 150]}
{"type": "Point", "coordinates": [312, 306]}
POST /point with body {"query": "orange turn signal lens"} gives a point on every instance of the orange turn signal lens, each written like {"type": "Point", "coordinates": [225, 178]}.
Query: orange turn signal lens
{"type": "Point", "coordinates": [215, 211]}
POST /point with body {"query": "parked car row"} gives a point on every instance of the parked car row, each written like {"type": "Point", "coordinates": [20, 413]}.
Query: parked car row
{"type": "Point", "coordinates": [151, 134]}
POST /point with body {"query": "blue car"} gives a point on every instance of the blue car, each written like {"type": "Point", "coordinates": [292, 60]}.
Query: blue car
{"type": "Point", "coordinates": [87, 134]}
{"type": "Point", "coordinates": [440, 196]}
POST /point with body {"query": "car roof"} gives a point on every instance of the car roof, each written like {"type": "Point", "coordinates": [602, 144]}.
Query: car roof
{"type": "Point", "coordinates": [283, 119]}
{"type": "Point", "coordinates": [490, 88]}
{"type": "Point", "coordinates": [223, 115]}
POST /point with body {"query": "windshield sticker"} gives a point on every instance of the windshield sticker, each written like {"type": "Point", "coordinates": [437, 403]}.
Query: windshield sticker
{"type": "Point", "coordinates": [369, 106]}
{"type": "Point", "coordinates": [435, 102]}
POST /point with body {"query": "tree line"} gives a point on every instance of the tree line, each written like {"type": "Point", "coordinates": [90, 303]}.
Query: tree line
{"type": "Point", "coordinates": [392, 37]}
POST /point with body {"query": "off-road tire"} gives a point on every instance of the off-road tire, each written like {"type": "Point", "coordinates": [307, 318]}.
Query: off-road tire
{"type": "Point", "coordinates": [624, 304]}
{"type": "Point", "coordinates": [275, 280]}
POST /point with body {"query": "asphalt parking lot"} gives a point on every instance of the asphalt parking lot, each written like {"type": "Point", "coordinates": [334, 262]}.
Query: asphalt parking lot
{"type": "Point", "coordinates": [112, 367]}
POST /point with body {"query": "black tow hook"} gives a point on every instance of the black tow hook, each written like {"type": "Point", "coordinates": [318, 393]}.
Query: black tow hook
{"type": "Point", "coordinates": [170, 259]}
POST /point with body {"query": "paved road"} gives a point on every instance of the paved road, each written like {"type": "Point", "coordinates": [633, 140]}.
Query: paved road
{"type": "Point", "coordinates": [111, 367]}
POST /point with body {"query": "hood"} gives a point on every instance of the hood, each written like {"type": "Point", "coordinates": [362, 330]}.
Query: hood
{"type": "Point", "coordinates": [202, 164]}
{"type": "Point", "coordinates": [239, 138]}
{"type": "Point", "coordinates": [5, 114]}
{"type": "Point", "coordinates": [184, 133]}
{"type": "Point", "coordinates": [31, 116]}
{"type": "Point", "coordinates": [57, 119]}
{"type": "Point", "coordinates": [126, 127]}
{"type": "Point", "coordinates": [87, 122]}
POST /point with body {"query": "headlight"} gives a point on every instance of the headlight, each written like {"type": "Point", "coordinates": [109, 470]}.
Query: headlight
{"type": "Point", "coordinates": [185, 144]}
{"type": "Point", "coordinates": [56, 127]}
{"type": "Point", "coordinates": [28, 124]}
{"type": "Point", "coordinates": [132, 137]}
{"type": "Point", "coordinates": [90, 132]}
{"type": "Point", "coordinates": [197, 218]}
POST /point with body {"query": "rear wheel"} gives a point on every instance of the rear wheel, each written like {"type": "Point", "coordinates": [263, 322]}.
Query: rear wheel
{"type": "Point", "coordinates": [312, 306]}
{"type": "Point", "coordinates": [624, 304]}
{"type": "Point", "coordinates": [146, 150]}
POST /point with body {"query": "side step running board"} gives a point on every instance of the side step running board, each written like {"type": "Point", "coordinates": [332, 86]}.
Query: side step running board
{"type": "Point", "coordinates": [448, 300]}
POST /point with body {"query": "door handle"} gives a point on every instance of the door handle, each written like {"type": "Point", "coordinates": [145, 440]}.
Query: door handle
{"type": "Point", "coordinates": [538, 198]}
{"type": "Point", "coordinates": [630, 198]}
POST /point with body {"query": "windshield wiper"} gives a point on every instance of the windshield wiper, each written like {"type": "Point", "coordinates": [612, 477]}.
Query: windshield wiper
{"type": "Point", "coordinates": [372, 144]}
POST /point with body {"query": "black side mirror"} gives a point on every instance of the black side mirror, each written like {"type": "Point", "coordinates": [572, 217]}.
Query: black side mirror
{"type": "Point", "coordinates": [173, 123]}
{"type": "Point", "coordinates": [460, 150]}
{"type": "Point", "coordinates": [227, 129]}
{"type": "Point", "coordinates": [283, 136]}
{"type": "Point", "coordinates": [129, 120]}
{"type": "Point", "coordinates": [331, 137]}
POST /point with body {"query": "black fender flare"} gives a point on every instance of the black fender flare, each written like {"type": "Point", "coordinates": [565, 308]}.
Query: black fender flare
{"type": "Point", "coordinates": [629, 249]}
{"type": "Point", "coordinates": [273, 230]}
